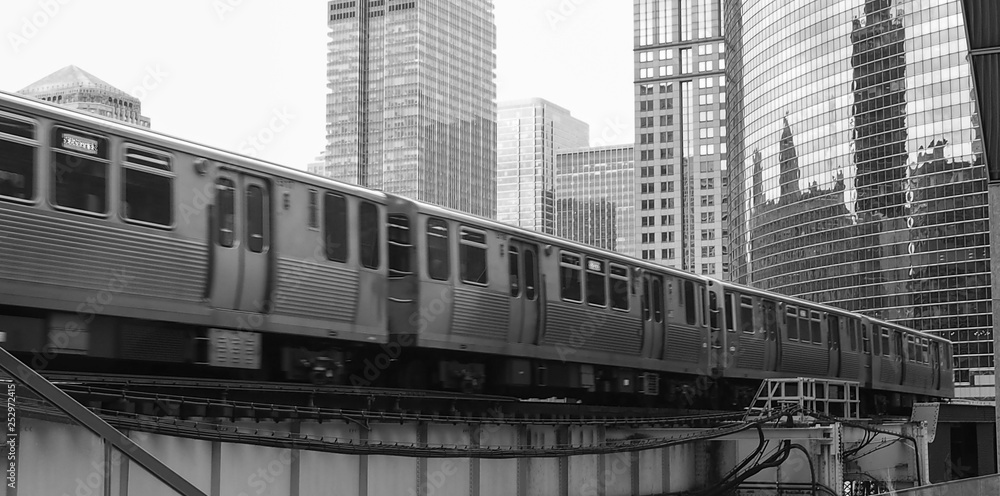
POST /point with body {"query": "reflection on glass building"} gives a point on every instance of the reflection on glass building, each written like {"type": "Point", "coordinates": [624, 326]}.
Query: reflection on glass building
{"type": "Point", "coordinates": [529, 134]}
{"type": "Point", "coordinates": [412, 102]}
{"type": "Point", "coordinates": [680, 140]}
{"type": "Point", "coordinates": [857, 168]}
{"type": "Point", "coordinates": [595, 202]}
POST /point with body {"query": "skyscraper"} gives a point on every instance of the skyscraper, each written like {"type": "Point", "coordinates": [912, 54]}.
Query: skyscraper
{"type": "Point", "coordinates": [529, 134]}
{"type": "Point", "coordinates": [595, 201]}
{"type": "Point", "coordinates": [78, 89]}
{"type": "Point", "coordinates": [412, 102]}
{"type": "Point", "coordinates": [857, 167]}
{"type": "Point", "coordinates": [680, 142]}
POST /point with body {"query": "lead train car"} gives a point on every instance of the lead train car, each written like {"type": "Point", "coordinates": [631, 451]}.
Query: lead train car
{"type": "Point", "coordinates": [121, 243]}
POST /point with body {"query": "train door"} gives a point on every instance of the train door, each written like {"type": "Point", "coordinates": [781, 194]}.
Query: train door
{"type": "Point", "coordinates": [772, 345]}
{"type": "Point", "coordinates": [654, 321]}
{"type": "Point", "coordinates": [241, 242]}
{"type": "Point", "coordinates": [525, 305]}
{"type": "Point", "coordinates": [833, 343]}
{"type": "Point", "coordinates": [935, 366]}
{"type": "Point", "coordinates": [717, 341]}
{"type": "Point", "coordinates": [865, 377]}
{"type": "Point", "coordinates": [899, 357]}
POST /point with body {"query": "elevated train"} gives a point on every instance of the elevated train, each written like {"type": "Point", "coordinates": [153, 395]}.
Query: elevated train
{"type": "Point", "coordinates": [127, 248]}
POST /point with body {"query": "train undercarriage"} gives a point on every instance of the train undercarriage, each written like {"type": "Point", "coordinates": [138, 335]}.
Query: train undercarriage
{"type": "Point", "coordinates": [130, 346]}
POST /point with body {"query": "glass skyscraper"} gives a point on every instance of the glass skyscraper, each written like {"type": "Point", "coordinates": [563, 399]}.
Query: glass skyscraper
{"type": "Point", "coordinates": [529, 133]}
{"type": "Point", "coordinates": [595, 201]}
{"type": "Point", "coordinates": [857, 167]}
{"type": "Point", "coordinates": [412, 102]}
{"type": "Point", "coordinates": [680, 141]}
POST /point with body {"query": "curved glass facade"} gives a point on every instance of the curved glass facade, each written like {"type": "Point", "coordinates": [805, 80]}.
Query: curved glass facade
{"type": "Point", "coordinates": [856, 163]}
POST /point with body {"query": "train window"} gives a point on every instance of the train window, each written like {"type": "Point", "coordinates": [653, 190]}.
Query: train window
{"type": "Point", "coordinates": [148, 186]}
{"type": "Point", "coordinates": [226, 200]}
{"type": "Point", "coordinates": [885, 342]}
{"type": "Point", "coordinates": [368, 224]}
{"type": "Point", "coordinates": [514, 261]}
{"type": "Point", "coordinates": [619, 287]}
{"type": "Point", "coordinates": [911, 351]}
{"type": "Point", "coordinates": [792, 323]}
{"type": "Point", "coordinates": [255, 218]}
{"type": "Point", "coordinates": [335, 227]}
{"type": "Point", "coordinates": [646, 295]}
{"type": "Point", "coordinates": [596, 283]}
{"type": "Point", "coordinates": [569, 277]}
{"type": "Point", "coordinates": [313, 209]}
{"type": "Point", "coordinates": [438, 267]}
{"type": "Point", "coordinates": [852, 337]}
{"type": "Point", "coordinates": [399, 246]}
{"type": "Point", "coordinates": [746, 315]}
{"type": "Point", "coordinates": [530, 282]}
{"type": "Point", "coordinates": [472, 256]}
{"type": "Point", "coordinates": [17, 159]}
{"type": "Point", "coordinates": [80, 174]}
{"type": "Point", "coordinates": [865, 340]}
{"type": "Point", "coordinates": [657, 300]}
{"type": "Point", "coordinates": [730, 325]}
{"type": "Point", "coordinates": [816, 328]}
{"type": "Point", "coordinates": [924, 355]}
{"type": "Point", "coordinates": [689, 302]}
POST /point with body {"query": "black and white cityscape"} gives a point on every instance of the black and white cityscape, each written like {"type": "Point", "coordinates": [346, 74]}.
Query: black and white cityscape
{"type": "Point", "coordinates": [794, 210]}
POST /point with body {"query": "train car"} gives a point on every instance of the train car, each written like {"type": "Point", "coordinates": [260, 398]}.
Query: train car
{"type": "Point", "coordinates": [771, 336]}
{"type": "Point", "coordinates": [523, 309]}
{"type": "Point", "coordinates": [126, 244]}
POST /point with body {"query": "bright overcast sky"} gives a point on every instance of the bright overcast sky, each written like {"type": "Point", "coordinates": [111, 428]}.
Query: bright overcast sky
{"type": "Point", "coordinates": [219, 71]}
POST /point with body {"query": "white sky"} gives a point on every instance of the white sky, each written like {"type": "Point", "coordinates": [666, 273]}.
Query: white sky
{"type": "Point", "coordinates": [219, 71]}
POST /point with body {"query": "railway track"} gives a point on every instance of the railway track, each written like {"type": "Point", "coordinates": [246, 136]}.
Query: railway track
{"type": "Point", "coordinates": [185, 398]}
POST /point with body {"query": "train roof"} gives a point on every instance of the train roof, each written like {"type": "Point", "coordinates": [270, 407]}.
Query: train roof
{"type": "Point", "coordinates": [34, 106]}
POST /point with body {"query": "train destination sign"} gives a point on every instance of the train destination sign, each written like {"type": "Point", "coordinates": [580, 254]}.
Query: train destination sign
{"type": "Point", "coordinates": [77, 143]}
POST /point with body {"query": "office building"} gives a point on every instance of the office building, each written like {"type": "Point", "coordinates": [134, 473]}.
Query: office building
{"type": "Point", "coordinates": [529, 133]}
{"type": "Point", "coordinates": [80, 90]}
{"type": "Point", "coordinates": [680, 142]}
{"type": "Point", "coordinates": [857, 168]}
{"type": "Point", "coordinates": [412, 102]}
{"type": "Point", "coordinates": [595, 200]}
